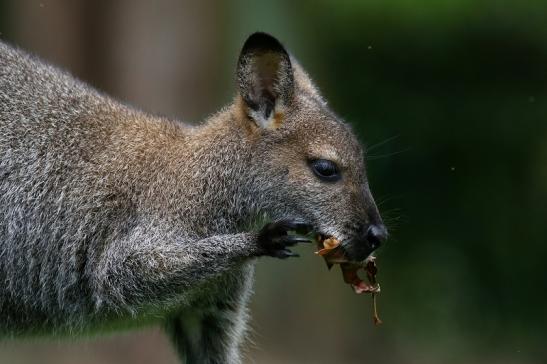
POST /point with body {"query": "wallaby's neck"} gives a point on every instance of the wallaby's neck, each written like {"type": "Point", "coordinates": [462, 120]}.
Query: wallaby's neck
{"type": "Point", "coordinates": [206, 175]}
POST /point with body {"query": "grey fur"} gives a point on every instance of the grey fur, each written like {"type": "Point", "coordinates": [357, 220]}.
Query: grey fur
{"type": "Point", "coordinates": [113, 218]}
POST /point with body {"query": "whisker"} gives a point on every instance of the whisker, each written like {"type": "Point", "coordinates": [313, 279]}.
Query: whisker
{"type": "Point", "coordinates": [382, 200]}
{"type": "Point", "coordinates": [394, 213]}
{"type": "Point", "coordinates": [392, 223]}
{"type": "Point", "coordinates": [393, 218]}
{"type": "Point", "coordinates": [379, 156]}
{"type": "Point", "coordinates": [373, 146]}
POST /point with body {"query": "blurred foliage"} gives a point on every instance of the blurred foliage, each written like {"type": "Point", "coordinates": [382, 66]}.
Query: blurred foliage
{"type": "Point", "coordinates": [454, 95]}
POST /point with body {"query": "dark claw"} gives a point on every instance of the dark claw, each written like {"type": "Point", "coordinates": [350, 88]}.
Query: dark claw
{"type": "Point", "coordinates": [291, 240]}
{"type": "Point", "coordinates": [301, 227]}
{"type": "Point", "coordinates": [285, 253]}
{"type": "Point", "coordinates": [274, 237]}
{"type": "Point", "coordinates": [292, 254]}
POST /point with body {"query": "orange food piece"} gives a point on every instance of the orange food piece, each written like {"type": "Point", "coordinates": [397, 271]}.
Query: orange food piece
{"type": "Point", "coordinates": [327, 245]}
{"type": "Point", "coordinates": [331, 243]}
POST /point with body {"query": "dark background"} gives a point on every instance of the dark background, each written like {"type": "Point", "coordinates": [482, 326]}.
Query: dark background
{"type": "Point", "coordinates": [450, 96]}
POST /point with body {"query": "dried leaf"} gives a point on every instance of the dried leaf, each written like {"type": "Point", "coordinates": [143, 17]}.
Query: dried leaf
{"type": "Point", "coordinates": [329, 249]}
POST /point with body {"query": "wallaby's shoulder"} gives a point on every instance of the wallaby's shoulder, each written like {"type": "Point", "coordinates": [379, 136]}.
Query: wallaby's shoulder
{"type": "Point", "coordinates": [25, 76]}
{"type": "Point", "coordinates": [33, 91]}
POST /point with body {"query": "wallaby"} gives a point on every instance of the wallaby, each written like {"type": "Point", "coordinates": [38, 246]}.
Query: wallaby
{"type": "Point", "coordinates": [110, 217]}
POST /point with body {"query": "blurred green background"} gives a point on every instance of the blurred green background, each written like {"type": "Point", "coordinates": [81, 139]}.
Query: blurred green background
{"type": "Point", "coordinates": [451, 97]}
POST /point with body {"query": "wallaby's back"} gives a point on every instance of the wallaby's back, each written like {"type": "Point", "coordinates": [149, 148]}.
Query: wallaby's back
{"type": "Point", "coordinates": [53, 130]}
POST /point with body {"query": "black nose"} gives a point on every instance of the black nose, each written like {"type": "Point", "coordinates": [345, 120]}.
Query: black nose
{"type": "Point", "coordinates": [376, 234]}
{"type": "Point", "coordinates": [368, 239]}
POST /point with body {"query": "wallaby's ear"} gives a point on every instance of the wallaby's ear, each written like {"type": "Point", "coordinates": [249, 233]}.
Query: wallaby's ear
{"type": "Point", "coordinates": [265, 79]}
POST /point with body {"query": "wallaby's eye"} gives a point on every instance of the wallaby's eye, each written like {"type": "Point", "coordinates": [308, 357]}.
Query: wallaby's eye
{"type": "Point", "coordinates": [325, 170]}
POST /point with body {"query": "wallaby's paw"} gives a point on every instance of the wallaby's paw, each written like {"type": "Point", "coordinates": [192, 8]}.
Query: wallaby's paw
{"type": "Point", "coordinates": [274, 238]}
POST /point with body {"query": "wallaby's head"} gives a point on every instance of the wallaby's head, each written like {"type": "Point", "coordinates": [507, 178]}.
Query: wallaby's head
{"type": "Point", "coordinates": [308, 163]}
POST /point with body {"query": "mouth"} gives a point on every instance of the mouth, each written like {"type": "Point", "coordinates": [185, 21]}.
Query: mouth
{"type": "Point", "coordinates": [332, 250]}
{"type": "Point", "coordinates": [343, 251]}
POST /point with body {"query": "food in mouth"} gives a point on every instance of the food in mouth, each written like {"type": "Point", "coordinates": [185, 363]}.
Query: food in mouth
{"type": "Point", "coordinates": [332, 252]}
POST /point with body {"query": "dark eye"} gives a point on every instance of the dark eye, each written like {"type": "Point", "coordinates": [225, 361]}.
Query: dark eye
{"type": "Point", "coordinates": [325, 170]}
